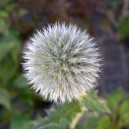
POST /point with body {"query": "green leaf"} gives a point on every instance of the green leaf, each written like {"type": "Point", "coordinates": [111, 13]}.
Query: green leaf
{"type": "Point", "coordinates": [3, 2]}
{"type": "Point", "coordinates": [3, 26]}
{"type": "Point", "coordinates": [64, 124]}
{"type": "Point", "coordinates": [66, 111]}
{"type": "Point", "coordinates": [105, 123]}
{"type": "Point", "coordinates": [92, 101]}
{"type": "Point", "coordinates": [8, 43]}
{"type": "Point", "coordinates": [49, 126]}
{"type": "Point", "coordinates": [114, 99]}
{"type": "Point", "coordinates": [124, 27]}
{"type": "Point", "coordinates": [16, 51]}
{"type": "Point", "coordinates": [3, 14]}
{"type": "Point", "coordinates": [115, 3]}
{"type": "Point", "coordinates": [5, 98]}
{"type": "Point", "coordinates": [7, 4]}
{"type": "Point", "coordinates": [7, 70]}
{"type": "Point", "coordinates": [22, 121]}
{"type": "Point", "coordinates": [124, 111]}
{"type": "Point", "coordinates": [88, 121]}
{"type": "Point", "coordinates": [20, 82]}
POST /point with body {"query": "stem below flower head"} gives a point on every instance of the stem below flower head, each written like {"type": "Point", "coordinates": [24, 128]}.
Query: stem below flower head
{"type": "Point", "coordinates": [77, 117]}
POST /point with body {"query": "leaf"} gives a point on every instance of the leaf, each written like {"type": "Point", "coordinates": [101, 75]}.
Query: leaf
{"type": "Point", "coordinates": [66, 111]}
{"type": "Point", "coordinates": [91, 101]}
{"type": "Point", "coordinates": [105, 123]}
{"type": "Point", "coordinates": [15, 52]}
{"type": "Point", "coordinates": [7, 70]}
{"type": "Point", "coordinates": [5, 98]}
{"type": "Point", "coordinates": [124, 27]}
{"type": "Point", "coordinates": [49, 126]}
{"type": "Point", "coordinates": [3, 2]}
{"type": "Point", "coordinates": [115, 3]}
{"type": "Point", "coordinates": [114, 99]}
{"type": "Point", "coordinates": [88, 121]}
{"type": "Point", "coordinates": [3, 26]}
{"type": "Point", "coordinates": [22, 121]}
{"type": "Point", "coordinates": [3, 14]}
{"type": "Point", "coordinates": [8, 43]}
{"type": "Point", "coordinates": [64, 124]}
{"type": "Point", "coordinates": [124, 112]}
{"type": "Point", "coordinates": [20, 81]}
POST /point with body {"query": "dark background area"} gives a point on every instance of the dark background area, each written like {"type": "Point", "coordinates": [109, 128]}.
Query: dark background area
{"type": "Point", "coordinates": [106, 20]}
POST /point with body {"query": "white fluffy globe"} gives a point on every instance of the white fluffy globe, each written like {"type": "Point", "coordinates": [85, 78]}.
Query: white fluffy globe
{"type": "Point", "coordinates": [61, 62]}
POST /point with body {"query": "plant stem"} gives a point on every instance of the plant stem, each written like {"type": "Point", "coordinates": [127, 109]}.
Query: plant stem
{"type": "Point", "coordinates": [77, 117]}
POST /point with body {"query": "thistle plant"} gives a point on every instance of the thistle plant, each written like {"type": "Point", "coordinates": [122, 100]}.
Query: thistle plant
{"type": "Point", "coordinates": [62, 62]}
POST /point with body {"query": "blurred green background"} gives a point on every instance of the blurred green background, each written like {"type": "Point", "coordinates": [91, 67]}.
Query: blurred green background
{"type": "Point", "coordinates": [106, 20]}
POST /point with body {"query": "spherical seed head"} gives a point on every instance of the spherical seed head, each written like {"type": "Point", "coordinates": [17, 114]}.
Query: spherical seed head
{"type": "Point", "coordinates": [61, 62]}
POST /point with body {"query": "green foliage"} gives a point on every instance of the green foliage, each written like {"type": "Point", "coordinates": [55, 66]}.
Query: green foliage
{"type": "Point", "coordinates": [105, 123]}
{"type": "Point", "coordinates": [115, 3]}
{"type": "Point", "coordinates": [69, 112]}
{"type": "Point", "coordinates": [62, 125]}
{"type": "Point", "coordinates": [5, 98]}
{"type": "Point", "coordinates": [65, 112]}
{"type": "Point", "coordinates": [88, 121]}
{"type": "Point", "coordinates": [124, 27]}
{"type": "Point", "coordinates": [94, 103]}
{"type": "Point", "coordinates": [22, 121]}
{"type": "Point", "coordinates": [118, 103]}
{"type": "Point", "coordinates": [92, 117]}
{"type": "Point", "coordinates": [12, 83]}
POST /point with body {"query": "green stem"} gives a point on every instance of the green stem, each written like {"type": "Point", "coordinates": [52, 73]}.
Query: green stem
{"type": "Point", "coordinates": [77, 117]}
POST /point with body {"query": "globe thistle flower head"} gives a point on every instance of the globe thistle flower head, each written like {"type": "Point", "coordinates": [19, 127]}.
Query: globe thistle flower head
{"type": "Point", "coordinates": [61, 62]}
